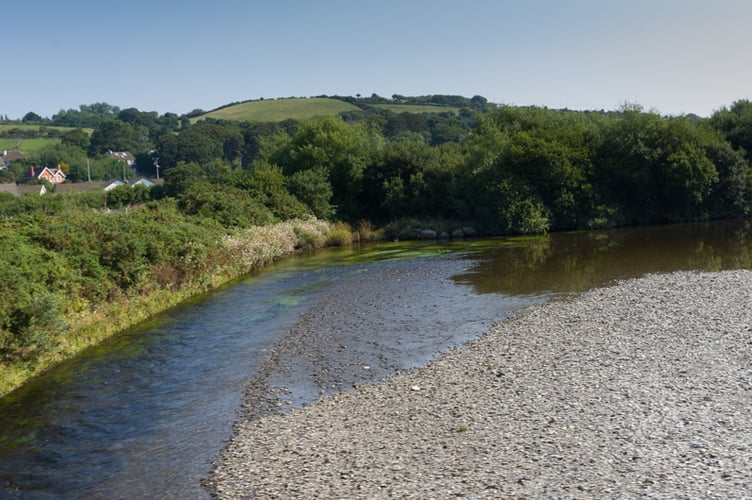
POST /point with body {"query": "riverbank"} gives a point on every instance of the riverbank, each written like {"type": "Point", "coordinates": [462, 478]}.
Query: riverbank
{"type": "Point", "coordinates": [233, 257]}
{"type": "Point", "coordinates": [640, 389]}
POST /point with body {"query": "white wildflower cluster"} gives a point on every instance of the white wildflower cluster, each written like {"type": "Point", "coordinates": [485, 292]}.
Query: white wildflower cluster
{"type": "Point", "coordinates": [193, 259]}
{"type": "Point", "coordinates": [262, 245]}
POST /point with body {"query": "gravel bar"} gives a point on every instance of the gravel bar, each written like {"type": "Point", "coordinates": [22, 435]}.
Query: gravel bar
{"type": "Point", "coordinates": [642, 389]}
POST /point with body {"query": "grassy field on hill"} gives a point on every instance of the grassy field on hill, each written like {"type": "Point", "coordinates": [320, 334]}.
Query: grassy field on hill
{"type": "Point", "coordinates": [30, 145]}
{"type": "Point", "coordinates": [279, 109]}
{"type": "Point", "coordinates": [417, 108]}
{"type": "Point", "coordinates": [27, 146]}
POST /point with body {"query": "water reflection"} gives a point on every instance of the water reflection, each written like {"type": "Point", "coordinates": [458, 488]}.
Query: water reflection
{"type": "Point", "coordinates": [143, 414]}
{"type": "Point", "coordinates": [578, 261]}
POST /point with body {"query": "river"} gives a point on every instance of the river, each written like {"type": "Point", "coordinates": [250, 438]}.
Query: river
{"type": "Point", "coordinates": [144, 414]}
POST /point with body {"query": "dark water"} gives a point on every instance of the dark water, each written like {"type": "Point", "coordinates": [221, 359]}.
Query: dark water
{"type": "Point", "coordinates": [576, 262]}
{"type": "Point", "coordinates": [145, 413]}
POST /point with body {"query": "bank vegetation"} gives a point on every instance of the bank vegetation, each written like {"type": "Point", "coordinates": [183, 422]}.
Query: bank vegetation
{"type": "Point", "coordinates": [75, 267]}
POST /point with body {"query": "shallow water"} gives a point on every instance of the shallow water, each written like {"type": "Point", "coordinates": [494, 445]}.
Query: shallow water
{"type": "Point", "coordinates": [145, 413]}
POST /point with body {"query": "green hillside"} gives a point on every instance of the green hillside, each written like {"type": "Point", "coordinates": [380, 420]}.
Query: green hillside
{"type": "Point", "coordinates": [30, 139]}
{"type": "Point", "coordinates": [27, 146]}
{"type": "Point", "coordinates": [277, 110]}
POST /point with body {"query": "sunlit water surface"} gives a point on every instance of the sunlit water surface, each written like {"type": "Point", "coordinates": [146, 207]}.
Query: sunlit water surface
{"type": "Point", "coordinates": [144, 414]}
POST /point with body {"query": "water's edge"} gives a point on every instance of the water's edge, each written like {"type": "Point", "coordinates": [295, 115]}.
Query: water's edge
{"type": "Point", "coordinates": [147, 412]}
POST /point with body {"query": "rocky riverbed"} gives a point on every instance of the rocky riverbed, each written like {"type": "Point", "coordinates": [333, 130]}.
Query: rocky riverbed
{"type": "Point", "coordinates": [639, 389]}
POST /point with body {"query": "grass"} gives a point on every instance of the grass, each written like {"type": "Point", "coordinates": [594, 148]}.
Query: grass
{"type": "Point", "coordinates": [28, 147]}
{"type": "Point", "coordinates": [300, 108]}
{"type": "Point", "coordinates": [417, 108]}
{"type": "Point", "coordinates": [277, 110]}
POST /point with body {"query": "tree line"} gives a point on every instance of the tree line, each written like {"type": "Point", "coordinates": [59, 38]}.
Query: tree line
{"type": "Point", "coordinates": [501, 169]}
{"type": "Point", "coordinates": [505, 169]}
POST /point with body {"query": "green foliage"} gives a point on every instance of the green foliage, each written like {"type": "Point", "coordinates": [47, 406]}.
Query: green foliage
{"type": "Point", "coordinates": [735, 124]}
{"type": "Point", "coordinates": [180, 178]}
{"type": "Point", "coordinates": [555, 171]}
{"type": "Point", "coordinates": [309, 239]}
{"type": "Point", "coordinates": [82, 169]}
{"type": "Point", "coordinates": [228, 205]}
{"type": "Point", "coordinates": [267, 185]}
{"type": "Point", "coordinates": [201, 144]}
{"type": "Point", "coordinates": [77, 138]}
{"type": "Point", "coordinates": [418, 108]}
{"type": "Point", "coordinates": [55, 268]}
{"type": "Point", "coordinates": [503, 170]}
{"type": "Point", "coordinates": [334, 151]}
{"type": "Point", "coordinates": [397, 183]}
{"type": "Point", "coordinates": [732, 194]}
{"type": "Point", "coordinates": [517, 211]}
{"type": "Point", "coordinates": [656, 170]}
{"type": "Point", "coordinates": [113, 135]}
{"type": "Point", "coordinates": [125, 195]}
{"type": "Point", "coordinates": [78, 260]}
{"type": "Point", "coordinates": [31, 117]}
{"type": "Point", "coordinates": [569, 169]}
{"type": "Point", "coordinates": [313, 188]}
{"type": "Point", "coordinates": [52, 155]}
{"type": "Point", "coordinates": [31, 281]}
{"type": "Point", "coordinates": [323, 141]}
{"type": "Point", "coordinates": [341, 235]}
{"type": "Point", "coordinates": [88, 115]}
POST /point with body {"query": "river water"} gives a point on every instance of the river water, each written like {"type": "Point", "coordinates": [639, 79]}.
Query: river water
{"type": "Point", "coordinates": [144, 414]}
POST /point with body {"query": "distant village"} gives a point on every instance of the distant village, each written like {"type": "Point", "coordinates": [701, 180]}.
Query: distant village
{"type": "Point", "coordinates": [39, 179]}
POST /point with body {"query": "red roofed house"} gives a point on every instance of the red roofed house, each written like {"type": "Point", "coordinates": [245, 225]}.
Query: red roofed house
{"type": "Point", "coordinates": [52, 175]}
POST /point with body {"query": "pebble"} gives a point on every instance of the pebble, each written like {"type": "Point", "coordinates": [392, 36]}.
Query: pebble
{"type": "Point", "coordinates": [641, 389]}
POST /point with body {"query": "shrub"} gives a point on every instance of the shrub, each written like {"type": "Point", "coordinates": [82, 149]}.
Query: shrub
{"type": "Point", "coordinates": [341, 235]}
{"type": "Point", "coordinates": [366, 231]}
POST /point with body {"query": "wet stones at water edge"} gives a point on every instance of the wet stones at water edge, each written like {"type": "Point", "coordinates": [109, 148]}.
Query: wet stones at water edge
{"type": "Point", "coordinates": [642, 389]}
{"type": "Point", "coordinates": [459, 233]}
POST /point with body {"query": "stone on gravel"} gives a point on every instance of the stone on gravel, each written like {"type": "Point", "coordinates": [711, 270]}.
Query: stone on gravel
{"type": "Point", "coordinates": [643, 389]}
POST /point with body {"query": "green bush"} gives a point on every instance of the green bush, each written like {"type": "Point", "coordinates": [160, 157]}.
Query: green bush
{"type": "Point", "coordinates": [341, 235]}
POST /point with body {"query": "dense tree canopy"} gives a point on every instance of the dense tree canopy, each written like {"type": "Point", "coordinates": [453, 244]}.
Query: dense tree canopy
{"type": "Point", "coordinates": [502, 169]}
{"type": "Point", "coordinates": [506, 169]}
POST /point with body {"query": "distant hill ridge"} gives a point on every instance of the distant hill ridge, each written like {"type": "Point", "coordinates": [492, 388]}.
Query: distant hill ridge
{"type": "Point", "coordinates": [276, 110]}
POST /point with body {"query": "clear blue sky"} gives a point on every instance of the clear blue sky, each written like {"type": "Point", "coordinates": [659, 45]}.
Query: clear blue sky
{"type": "Point", "coordinates": [673, 56]}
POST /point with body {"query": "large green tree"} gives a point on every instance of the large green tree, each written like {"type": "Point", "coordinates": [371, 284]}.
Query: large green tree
{"type": "Point", "coordinates": [113, 135]}
{"type": "Point", "coordinates": [343, 151]}
{"type": "Point", "coordinates": [736, 125]}
{"type": "Point", "coordinates": [77, 137]}
{"type": "Point", "coordinates": [202, 144]}
{"type": "Point", "coordinates": [654, 169]}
